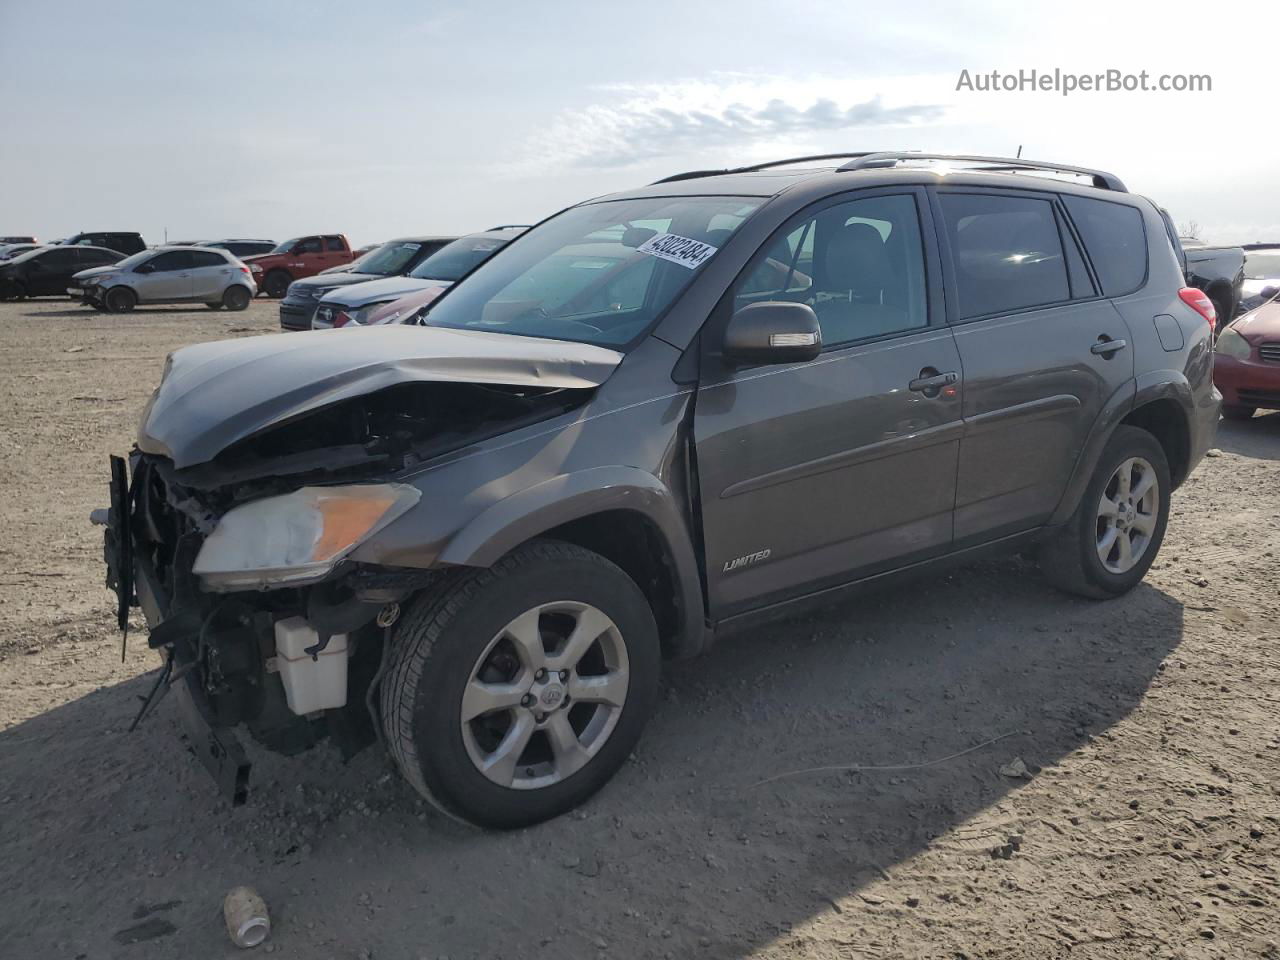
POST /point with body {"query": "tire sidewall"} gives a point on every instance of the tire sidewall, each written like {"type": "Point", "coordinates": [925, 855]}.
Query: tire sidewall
{"type": "Point", "coordinates": [271, 280]}
{"type": "Point", "coordinates": [119, 300]}
{"type": "Point", "coordinates": [444, 763]}
{"type": "Point", "coordinates": [1127, 442]}
{"type": "Point", "coordinates": [229, 298]}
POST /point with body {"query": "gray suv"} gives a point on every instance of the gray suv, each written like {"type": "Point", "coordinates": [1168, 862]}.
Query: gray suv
{"type": "Point", "coordinates": [651, 419]}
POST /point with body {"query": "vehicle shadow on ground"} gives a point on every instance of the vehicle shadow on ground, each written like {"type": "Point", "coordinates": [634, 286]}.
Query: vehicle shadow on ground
{"type": "Point", "coordinates": [89, 312]}
{"type": "Point", "coordinates": [1258, 438]}
{"type": "Point", "coordinates": [685, 852]}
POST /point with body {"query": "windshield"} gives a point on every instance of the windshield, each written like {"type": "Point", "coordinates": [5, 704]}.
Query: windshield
{"type": "Point", "coordinates": [1262, 266]}
{"type": "Point", "coordinates": [456, 259]}
{"type": "Point", "coordinates": [388, 259]}
{"type": "Point", "coordinates": [287, 246]}
{"type": "Point", "coordinates": [600, 273]}
{"type": "Point", "coordinates": [134, 260]}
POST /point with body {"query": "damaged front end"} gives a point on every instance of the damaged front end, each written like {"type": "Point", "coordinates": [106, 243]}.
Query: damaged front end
{"type": "Point", "coordinates": [240, 557]}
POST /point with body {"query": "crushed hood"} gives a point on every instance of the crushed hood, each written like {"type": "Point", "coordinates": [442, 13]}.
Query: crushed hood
{"type": "Point", "coordinates": [213, 395]}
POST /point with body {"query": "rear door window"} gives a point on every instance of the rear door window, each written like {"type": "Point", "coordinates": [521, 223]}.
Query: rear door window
{"type": "Point", "coordinates": [334, 244]}
{"type": "Point", "coordinates": [1006, 251]}
{"type": "Point", "coordinates": [1116, 240]}
{"type": "Point", "coordinates": [202, 259]}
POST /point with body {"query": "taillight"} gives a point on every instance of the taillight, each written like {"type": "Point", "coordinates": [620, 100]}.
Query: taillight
{"type": "Point", "coordinates": [1199, 301]}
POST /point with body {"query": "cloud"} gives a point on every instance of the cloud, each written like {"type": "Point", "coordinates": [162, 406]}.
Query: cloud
{"type": "Point", "coordinates": [694, 118]}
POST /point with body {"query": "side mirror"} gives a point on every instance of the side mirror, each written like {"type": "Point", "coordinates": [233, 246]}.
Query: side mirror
{"type": "Point", "coordinates": [144, 268]}
{"type": "Point", "coordinates": [773, 331]}
{"type": "Point", "coordinates": [1269, 293]}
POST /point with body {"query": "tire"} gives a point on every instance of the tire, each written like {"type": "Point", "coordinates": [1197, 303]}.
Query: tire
{"type": "Point", "coordinates": [12, 290]}
{"type": "Point", "coordinates": [276, 284]}
{"type": "Point", "coordinates": [1073, 558]}
{"type": "Point", "coordinates": [1238, 413]}
{"type": "Point", "coordinates": [235, 298]}
{"type": "Point", "coordinates": [462, 629]}
{"type": "Point", "coordinates": [119, 300]}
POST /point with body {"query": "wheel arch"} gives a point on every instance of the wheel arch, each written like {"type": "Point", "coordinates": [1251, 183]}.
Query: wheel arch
{"type": "Point", "coordinates": [627, 516]}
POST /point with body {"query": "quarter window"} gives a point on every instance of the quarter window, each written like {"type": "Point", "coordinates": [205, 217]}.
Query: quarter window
{"type": "Point", "coordinates": [1007, 253]}
{"type": "Point", "coordinates": [859, 264]}
{"type": "Point", "coordinates": [1116, 240]}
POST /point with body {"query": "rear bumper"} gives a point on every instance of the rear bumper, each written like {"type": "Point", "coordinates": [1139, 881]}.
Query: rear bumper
{"type": "Point", "coordinates": [1247, 383]}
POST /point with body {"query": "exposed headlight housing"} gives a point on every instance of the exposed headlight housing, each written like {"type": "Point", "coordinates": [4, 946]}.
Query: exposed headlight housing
{"type": "Point", "coordinates": [1231, 344]}
{"type": "Point", "coordinates": [297, 538]}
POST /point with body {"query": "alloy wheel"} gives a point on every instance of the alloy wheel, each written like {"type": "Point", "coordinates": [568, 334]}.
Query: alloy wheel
{"type": "Point", "coordinates": [1127, 514]}
{"type": "Point", "coordinates": [545, 695]}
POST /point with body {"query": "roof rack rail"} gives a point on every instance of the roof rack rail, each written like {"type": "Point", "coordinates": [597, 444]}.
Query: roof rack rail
{"type": "Point", "coordinates": [696, 174]}
{"type": "Point", "coordinates": [510, 226]}
{"type": "Point", "coordinates": [1099, 178]}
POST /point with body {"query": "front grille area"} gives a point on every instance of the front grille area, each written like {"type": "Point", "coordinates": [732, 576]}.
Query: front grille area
{"type": "Point", "coordinates": [1270, 352]}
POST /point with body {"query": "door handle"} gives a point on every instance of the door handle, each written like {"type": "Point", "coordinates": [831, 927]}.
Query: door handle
{"type": "Point", "coordinates": [1105, 346]}
{"type": "Point", "coordinates": [930, 383]}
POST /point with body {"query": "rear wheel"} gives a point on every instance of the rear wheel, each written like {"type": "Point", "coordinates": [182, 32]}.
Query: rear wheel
{"type": "Point", "coordinates": [120, 300]}
{"type": "Point", "coordinates": [1239, 413]}
{"type": "Point", "coordinates": [276, 284]}
{"type": "Point", "coordinates": [236, 298]}
{"type": "Point", "coordinates": [516, 692]}
{"type": "Point", "coordinates": [1107, 546]}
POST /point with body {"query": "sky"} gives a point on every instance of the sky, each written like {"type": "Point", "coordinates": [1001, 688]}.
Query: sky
{"type": "Point", "coordinates": [246, 118]}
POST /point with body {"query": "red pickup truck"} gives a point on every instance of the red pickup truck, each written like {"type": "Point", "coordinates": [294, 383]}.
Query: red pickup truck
{"type": "Point", "coordinates": [298, 258]}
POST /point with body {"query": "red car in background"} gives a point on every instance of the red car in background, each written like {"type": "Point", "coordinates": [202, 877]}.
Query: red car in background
{"type": "Point", "coordinates": [1246, 362]}
{"type": "Point", "coordinates": [297, 258]}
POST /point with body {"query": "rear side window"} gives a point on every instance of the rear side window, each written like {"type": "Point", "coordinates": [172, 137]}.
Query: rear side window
{"type": "Point", "coordinates": [1114, 235]}
{"type": "Point", "coordinates": [202, 259]}
{"type": "Point", "coordinates": [334, 243]}
{"type": "Point", "coordinates": [1007, 253]}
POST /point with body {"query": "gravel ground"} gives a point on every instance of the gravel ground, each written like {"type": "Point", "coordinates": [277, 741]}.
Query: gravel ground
{"type": "Point", "coordinates": [1129, 808]}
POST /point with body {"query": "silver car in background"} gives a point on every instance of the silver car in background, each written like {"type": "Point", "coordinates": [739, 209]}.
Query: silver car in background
{"type": "Point", "coordinates": [167, 275]}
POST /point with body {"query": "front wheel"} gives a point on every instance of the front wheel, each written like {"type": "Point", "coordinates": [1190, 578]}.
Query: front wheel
{"type": "Point", "coordinates": [120, 300]}
{"type": "Point", "coordinates": [276, 284]}
{"type": "Point", "coordinates": [1108, 545]}
{"type": "Point", "coordinates": [516, 692]}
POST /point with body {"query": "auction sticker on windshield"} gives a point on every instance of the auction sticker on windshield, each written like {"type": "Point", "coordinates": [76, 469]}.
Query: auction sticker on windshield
{"type": "Point", "coordinates": [682, 250]}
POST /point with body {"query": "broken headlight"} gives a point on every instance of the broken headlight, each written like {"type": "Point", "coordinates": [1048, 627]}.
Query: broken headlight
{"type": "Point", "coordinates": [299, 537]}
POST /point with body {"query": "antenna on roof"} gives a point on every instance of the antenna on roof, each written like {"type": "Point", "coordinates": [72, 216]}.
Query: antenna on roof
{"type": "Point", "coordinates": [1019, 155]}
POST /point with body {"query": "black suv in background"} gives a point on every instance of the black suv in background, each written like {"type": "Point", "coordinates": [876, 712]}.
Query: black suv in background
{"type": "Point", "coordinates": [651, 419]}
{"type": "Point", "coordinates": [395, 258]}
{"type": "Point", "coordinates": [241, 248]}
{"type": "Point", "coordinates": [126, 243]}
{"type": "Point", "coordinates": [47, 271]}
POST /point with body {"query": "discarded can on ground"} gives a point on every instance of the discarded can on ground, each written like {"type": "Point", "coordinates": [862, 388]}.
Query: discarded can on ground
{"type": "Point", "coordinates": [246, 916]}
